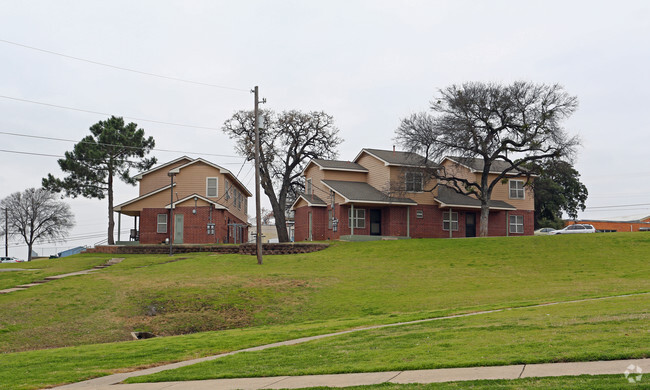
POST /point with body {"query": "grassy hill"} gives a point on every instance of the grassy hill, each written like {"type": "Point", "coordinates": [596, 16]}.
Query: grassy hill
{"type": "Point", "coordinates": [345, 286]}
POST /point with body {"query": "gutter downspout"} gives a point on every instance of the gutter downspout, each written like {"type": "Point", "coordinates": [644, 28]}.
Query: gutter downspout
{"type": "Point", "coordinates": [352, 219]}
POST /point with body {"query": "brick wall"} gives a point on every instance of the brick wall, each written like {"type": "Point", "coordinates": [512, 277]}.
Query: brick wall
{"type": "Point", "coordinates": [194, 225]}
{"type": "Point", "coordinates": [244, 249]}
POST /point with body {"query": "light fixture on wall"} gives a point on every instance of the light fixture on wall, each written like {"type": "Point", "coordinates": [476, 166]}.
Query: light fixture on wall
{"type": "Point", "coordinates": [196, 198]}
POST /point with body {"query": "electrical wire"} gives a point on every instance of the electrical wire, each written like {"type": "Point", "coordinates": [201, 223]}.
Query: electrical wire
{"type": "Point", "coordinates": [121, 146]}
{"type": "Point", "coordinates": [106, 114]}
{"type": "Point", "coordinates": [123, 68]}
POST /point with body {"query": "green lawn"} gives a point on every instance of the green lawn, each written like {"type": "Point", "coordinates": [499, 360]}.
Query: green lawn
{"type": "Point", "coordinates": [39, 269]}
{"type": "Point", "coordinates": [345, 286]}
{"type": "Point", "coordinates": [609, 329]}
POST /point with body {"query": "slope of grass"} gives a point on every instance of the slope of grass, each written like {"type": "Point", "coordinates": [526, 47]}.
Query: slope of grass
{"type": "Point", "coordinates": [347, 285]}
{"type": "Point", "coordinates": [39, 269]}
{"type": "Point", "coordinates": [609, 329]}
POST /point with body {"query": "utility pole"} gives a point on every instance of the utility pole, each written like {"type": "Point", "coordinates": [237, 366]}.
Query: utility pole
{"type": "Point", "coordinates": [258, 217]}
{"type": "Point", "coordinates": [6, 232]}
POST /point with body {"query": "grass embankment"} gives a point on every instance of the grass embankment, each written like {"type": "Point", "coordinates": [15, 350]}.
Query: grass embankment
{"type": "Point", "coordinates": [348, 285]}
{"type": "Point", "coordinates": [39, 269]}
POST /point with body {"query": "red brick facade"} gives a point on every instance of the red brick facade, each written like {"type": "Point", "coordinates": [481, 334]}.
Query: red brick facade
{"type": "Point", "coordinates": [393, 222]}
{"type": "Point", "coordinates": [195, 226]}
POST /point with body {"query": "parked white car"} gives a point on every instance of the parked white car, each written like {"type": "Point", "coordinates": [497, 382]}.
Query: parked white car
{"type": "Point", "coordinates": [543, 231]}
{"type": "Point", "coordinates": [576, 228]}
{"type": "Point", "coordinates": [10, 260]}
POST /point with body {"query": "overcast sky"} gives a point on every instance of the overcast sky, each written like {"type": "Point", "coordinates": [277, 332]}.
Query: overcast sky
{"type": "Point", "coordinates": [367, 63]}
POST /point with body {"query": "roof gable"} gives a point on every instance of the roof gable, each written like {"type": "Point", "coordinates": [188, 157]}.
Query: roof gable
{"type": "Point", "coordinates": [397, 158]}
{"type": "Point", "coordinates": [159, 167]}
{"type": "Point", "coordinates": [221, 169]}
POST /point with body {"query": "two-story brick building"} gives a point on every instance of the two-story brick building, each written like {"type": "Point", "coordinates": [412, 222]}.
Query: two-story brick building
{"type": "Point", "coordinates": [210, 204]}
{"type": "Point", "coordinates": [387, 193]}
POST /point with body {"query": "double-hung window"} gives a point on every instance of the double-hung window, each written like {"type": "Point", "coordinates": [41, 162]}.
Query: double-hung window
{"type": "Point", "coordinates": [161, 226]}
{"type": "Point", "coordinates": [450, 219]}
{"type": "Point", "coordinates": [516, 189]}
{"type": "Point", "coordinates": [413, 181]}
{"type": "Point", "coordinates": [517, 224]}
{"type": "Point", "coordinates": [211, 187]}
{"type": "Point", "coordinates": [308, 189]}
{"type": "Point", "coordinates": [227, 188]}
{"type": "Point", "coordinates": [358, 220]}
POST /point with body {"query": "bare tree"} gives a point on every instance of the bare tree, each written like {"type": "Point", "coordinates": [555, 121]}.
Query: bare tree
{"type": "Point", "coordinates": [503, 126]}
{"type": "Point", "coordinates": [35, 215]}
{"type": "Point", "coordinates": [287, 142]}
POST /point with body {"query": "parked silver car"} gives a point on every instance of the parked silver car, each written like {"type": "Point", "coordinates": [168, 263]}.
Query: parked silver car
{"type": "Point", "coordinates": [576, 228]}
{"type": "Point", "coordinates": [10, 260]}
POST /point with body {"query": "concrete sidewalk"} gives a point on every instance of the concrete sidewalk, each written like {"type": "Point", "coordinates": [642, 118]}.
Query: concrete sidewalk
{"type": "Point", "coordinates": [401, 377]}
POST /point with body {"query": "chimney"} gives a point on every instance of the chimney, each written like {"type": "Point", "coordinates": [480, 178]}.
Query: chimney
{"type": "Point", "coordinates": [393, 150]}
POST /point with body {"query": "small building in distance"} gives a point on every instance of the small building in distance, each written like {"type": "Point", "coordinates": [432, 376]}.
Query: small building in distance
{"type": "Point", "coordinates": [630, 223]}
{"type": "Point", "coordinates": [210, 204]}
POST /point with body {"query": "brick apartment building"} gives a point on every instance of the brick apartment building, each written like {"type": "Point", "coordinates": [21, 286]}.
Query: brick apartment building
{"type": "Point", "coordinates": [209, 204]}
{"type": "Point", "coordinates": [384, 193]}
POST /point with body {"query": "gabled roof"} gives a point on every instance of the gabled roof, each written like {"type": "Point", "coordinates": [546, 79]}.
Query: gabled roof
{"type": "Point", "coordinates": [221, 170]}
{"type": "Point", "coordinates": [203, 198]}
{"type": "Point", "coordinates": [311, 199]}
{"type": "Point", "coordinates": [361, 192]}
{"type": "Point", "coordinates": [337, 165]}
{"type": "Point", "coordinates": [448, 197]}
{"type": "Point", "coordinates": [128, 202]}
{"type": "Point", "coordinates": [141, 174]}
{"type": "Point", "coordinates": [398, 159]}
{"type": "Point", "coordinates": [475, 165]}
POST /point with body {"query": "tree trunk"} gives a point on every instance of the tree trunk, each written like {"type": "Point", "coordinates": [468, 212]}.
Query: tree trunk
{"type": "Point", "coordinates": [485, 214]}
{"type": "Point", "coordinates": [29, 252]}
{"type": "Point", "coordinates": [111, 221]}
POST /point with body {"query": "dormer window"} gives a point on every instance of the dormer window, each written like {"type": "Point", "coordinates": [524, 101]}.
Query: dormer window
{"type": "Point", "coordinates": [516, 189]}
{"type": "Point", "coordinates": [413, 181]}
{"type": "Point", "coordinates": [212, 184]}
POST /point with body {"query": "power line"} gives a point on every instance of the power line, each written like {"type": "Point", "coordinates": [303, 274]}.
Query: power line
{"type": "Point", "coordinates": [121, 146]}
{"type": "Point", "coordinates": [125, 69]}
{"type": "Point", "coordinates": [617, 206]}
{"type": "Point", "coordinates": [106, 114]}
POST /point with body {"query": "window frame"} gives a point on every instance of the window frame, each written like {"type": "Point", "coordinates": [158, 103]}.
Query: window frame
{"type": "Point", "coordinates": [330, 219]}
{"type": "Point", "coordinates": [518, 224]}
{"type": "Point", "coordinates": [357, 218]}
{"type": "Point", "coordinates": [450, 218]}
{"type": "Point", "coordinates": [158, 224]}
{"type": "Point", "coordinates": [518, 191]}
{"type": "Point", "coordinates": [419, 214]}
{"type": "Point", "coordinates": [412, 181]}
{"type": "Point", "coordinates": [227, 187]}
{"type": "Point", "coordinates": [207, 187]}
{"type": "Point", "coordinates": [308, 187]}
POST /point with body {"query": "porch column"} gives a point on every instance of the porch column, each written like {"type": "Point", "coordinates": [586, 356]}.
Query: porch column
{"type": "Point", "coordinates": [351, 219]}
{"type": "Point", "coordinates": [119, 225]}
{"type": "Point", "coordinates": [408, 221]}
{"type": "Point", "coordinates": [451, 224]}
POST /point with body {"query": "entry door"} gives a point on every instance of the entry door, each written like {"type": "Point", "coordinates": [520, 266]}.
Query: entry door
{"type": "Point", "coordinates": [470, 225]}
{"type": "Point", "coordinates": [178, 228]}
{"type": "Point", "coordinates": [375, 222]}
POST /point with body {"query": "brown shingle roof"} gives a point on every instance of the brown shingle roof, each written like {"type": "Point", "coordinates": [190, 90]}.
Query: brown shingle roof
{"type": "Point", "coordinates": [354, 191]}
{"type": "Point", "coordinates": [477, 164]}
{"type": "Point", "coordinates": [408, 159]}
{"type": "Point", "coordinates": [448, 197]}
{"type": "Point", "coordinates": [339, 165]}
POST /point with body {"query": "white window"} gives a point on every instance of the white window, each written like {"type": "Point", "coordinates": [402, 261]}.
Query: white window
{"type": "Point", "coordinates": [330, 219]}
{"type": "Point", "coordinates": [211, 187]}
{"type": "Point", "coordinates": [162, 223]}
{"type": "Point", "coordinates": [227, 188]}
{"type": "Point", "coordinates": [517, 224]}
{"type": "Point", "coordinates": [419, 214]}
{"type": "Point", "coordinates": [516, 189]}
{"type": "Point", "coordinates": [308, 189]}
{"type": "Point", "coordinates": [414, 181]}
{"type": "Point", "coordinates": [449, 218]}
{"type": "Point", "coordinates": [358, 219]}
